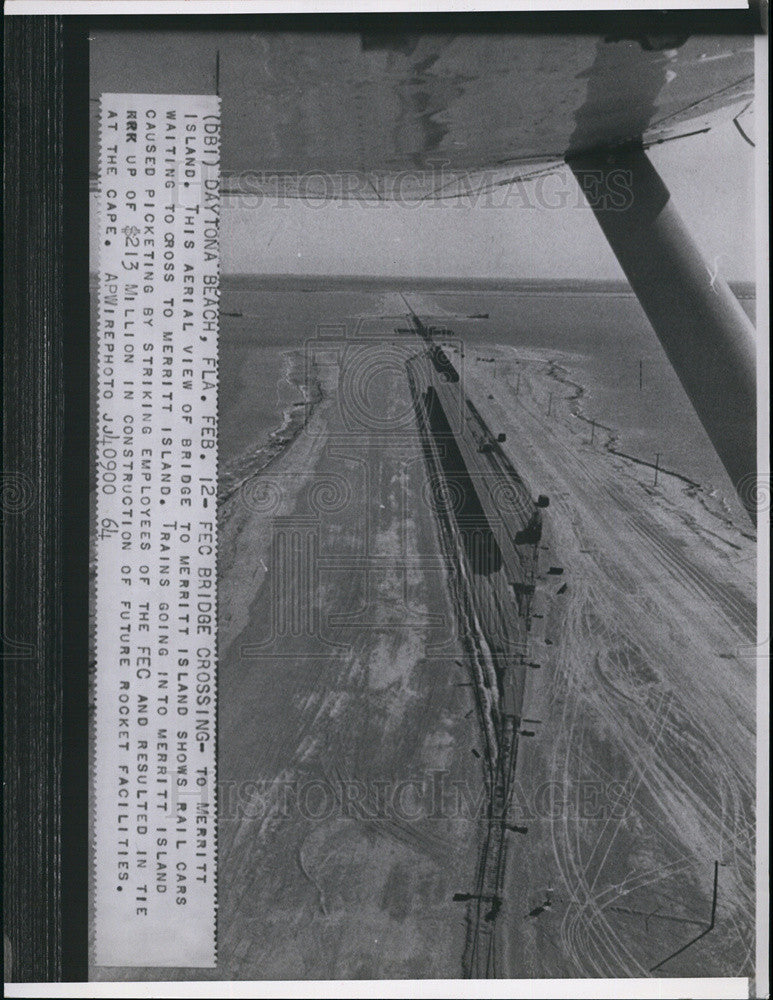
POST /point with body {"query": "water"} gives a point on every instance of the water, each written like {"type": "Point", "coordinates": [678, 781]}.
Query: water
{"type": "Point", "coordinates": [598, 333]}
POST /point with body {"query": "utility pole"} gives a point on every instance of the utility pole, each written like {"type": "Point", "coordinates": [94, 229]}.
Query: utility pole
{"type": "Point", "coordinates": [518, 384]}
{"type": "Point", "coordinates": [657, 465]}
{"type": "Point", "coordinates": [550, 403]}
{"type": "Point", "coordinates": [592, 430]}
{"type": "Point", "coordinates": [707, 929]}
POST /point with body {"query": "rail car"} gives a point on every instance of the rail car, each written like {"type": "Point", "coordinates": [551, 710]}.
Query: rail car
{"type": "Point", "coordinates": [443, 364]}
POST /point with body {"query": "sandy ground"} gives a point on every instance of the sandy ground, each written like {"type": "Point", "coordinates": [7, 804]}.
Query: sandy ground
{"type": "Point", "coordinates": [367, 697]}
{"type": "Point", "coordinates": [642, 773]}
{"type": "Point", "coordinates": [345, 698]}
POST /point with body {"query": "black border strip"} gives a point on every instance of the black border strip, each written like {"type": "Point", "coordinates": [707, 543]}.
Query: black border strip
{"type": "Point", "coordinates": [31, 498]}
{"type": "Point", "coordinates": [75, 486]}
{"type": "Point", "coordinates": [625, 23]}
{"type": "Point", "coordinates": [45, 500]}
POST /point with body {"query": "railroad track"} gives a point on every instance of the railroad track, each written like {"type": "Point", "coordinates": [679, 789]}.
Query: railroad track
{"type": "Point", "coordinates": [482, 958]}
{"type": "Point", "coordinates": [490, 606]}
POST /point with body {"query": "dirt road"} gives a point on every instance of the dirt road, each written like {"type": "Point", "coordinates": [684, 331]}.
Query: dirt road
{"type": "Point", "coordinates": [642, 774]}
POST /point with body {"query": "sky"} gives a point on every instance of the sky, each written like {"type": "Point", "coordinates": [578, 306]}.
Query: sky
{"type": "Point", "coordinates": [710, 177]}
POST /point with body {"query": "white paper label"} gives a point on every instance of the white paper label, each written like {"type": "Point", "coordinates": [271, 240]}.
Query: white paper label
{"type": "Point", "coordinates": [156, 522]}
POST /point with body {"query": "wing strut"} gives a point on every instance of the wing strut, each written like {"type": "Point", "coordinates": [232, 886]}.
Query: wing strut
{"type": "Point", "coordinates": [705, 333]}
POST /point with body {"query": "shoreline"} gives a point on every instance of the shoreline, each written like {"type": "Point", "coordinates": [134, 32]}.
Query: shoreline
{"type": "Point", "coordinates": [294, 418]}
{"type": "Point", "coordinates": [613, 435]}
{"type": "Point", "coordinates": [709, 496]}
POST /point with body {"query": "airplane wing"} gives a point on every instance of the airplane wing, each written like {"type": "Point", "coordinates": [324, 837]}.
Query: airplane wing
{"type": "Point", "coordinates": [352, 115]}
{"type": "Point", "coordinates": [440, 116]}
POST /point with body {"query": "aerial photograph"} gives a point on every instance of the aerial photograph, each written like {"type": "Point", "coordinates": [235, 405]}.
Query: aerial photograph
{"type": "Point", "coordinates": [486, 499]}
